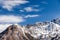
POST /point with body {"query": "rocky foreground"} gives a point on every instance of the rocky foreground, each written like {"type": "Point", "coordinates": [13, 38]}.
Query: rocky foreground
{"type": "Point", "coordinates": [37, 31]}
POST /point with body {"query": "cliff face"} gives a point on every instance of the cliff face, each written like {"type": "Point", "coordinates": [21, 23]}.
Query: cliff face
{"type": "Point", "coordinates": [38, 31]}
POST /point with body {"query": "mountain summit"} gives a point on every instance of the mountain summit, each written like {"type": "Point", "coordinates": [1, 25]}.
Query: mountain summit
{"type": "Point", "coordinates": [37, 31]}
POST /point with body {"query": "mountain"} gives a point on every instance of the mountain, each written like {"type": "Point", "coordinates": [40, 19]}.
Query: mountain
{"type": "Point", "coordinates": [14, 32]}
{"type": "Point", "coordinates": [37, 31]}
{"type": "Point", "coordinates": [44, 31]}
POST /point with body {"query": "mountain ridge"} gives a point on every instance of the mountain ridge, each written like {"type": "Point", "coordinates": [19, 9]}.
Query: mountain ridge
{"type": "Point", "coordinates": [37, 31]}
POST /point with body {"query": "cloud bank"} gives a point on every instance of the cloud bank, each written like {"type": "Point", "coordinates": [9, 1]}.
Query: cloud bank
{"type": "Point", "coordinates": [10, 19]}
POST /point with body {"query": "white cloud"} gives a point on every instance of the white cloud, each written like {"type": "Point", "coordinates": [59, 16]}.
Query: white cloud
{"type": "Point", "coordinates": [10, 19]}
{"type": "Point", "coordinates": [31, 16]}
{"type": "Point", "coordinates": [30, 9]}
{"type": "Point", "coordinates": [9, 4]}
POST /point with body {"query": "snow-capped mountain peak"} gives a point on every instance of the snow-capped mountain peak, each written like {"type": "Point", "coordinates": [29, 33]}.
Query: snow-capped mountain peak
{"type": "Point", "coordinates": [37, 31]}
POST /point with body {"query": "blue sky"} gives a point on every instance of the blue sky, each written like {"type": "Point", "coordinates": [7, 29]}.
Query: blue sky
{"type": "Point", "coordinates": [28, 11]}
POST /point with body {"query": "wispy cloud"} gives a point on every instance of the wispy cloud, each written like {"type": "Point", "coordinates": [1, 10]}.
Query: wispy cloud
{"type": "Point", "coordinates": [9, 4]}
{"type": "Point", "coordinates": [30, 9]}
{"type": "Point", "coordinates": [36, 6]}
{"type": "Point", "coordinates": [21, 10]}
{"type": "Point", "coordinates": [31, 16]}
{"type": "Point", "coordinates": [44, 2]}
{"type": "Point", "coordinates": [10, 19]}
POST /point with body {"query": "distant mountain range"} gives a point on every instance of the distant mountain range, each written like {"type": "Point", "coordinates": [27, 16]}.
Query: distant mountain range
{"type": "Point", "coordinates": [38, 31]}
